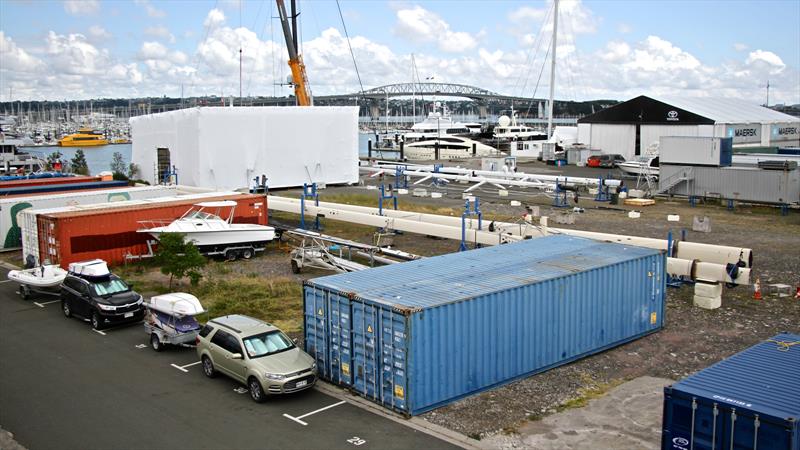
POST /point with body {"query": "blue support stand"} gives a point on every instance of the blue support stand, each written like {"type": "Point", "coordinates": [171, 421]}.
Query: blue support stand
{"type": "Point", "coordinates": [260, 185]}
{"type": "Point", "coordinates": [383, 196]}
{"type": "Point", "coordinates": [476, 211]}
{"type": "Point", "coordinates": [400, 180]}
{"type": "Point", "coordinates": [560, 200]}
{"type": "Point", "coordinates": [675, 282]}
{"type": "Point", "coordinates": [165, 179]}
{"type": "Point", "coordinates": [730, 205]}
{"type": "Point", "coordinates": [310, 193]}
{"type": "Point", "coordinates": [692, 201]}
{"type": "Point", "coordinates": [784, 209]}
{"type": "Point", "coordinates": [602, 192]}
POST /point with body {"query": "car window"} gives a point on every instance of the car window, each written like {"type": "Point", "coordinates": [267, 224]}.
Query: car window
{"type": "Point", "coordinates": [232, 344]}
{"type": "Point", "coordinates": [71, 283]}
{"type": "Point", "coordinates": [206, 330]}
{"type": "Point", "coordinates": [267, 344]}
{"type": "Point", "coordinates": [226, 341]}
{"type": "Point", "coordinates": [112, 285]}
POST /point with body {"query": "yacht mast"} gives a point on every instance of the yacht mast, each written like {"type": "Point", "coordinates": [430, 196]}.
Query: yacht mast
{"type": "Point", "coordinates": [552, 71]}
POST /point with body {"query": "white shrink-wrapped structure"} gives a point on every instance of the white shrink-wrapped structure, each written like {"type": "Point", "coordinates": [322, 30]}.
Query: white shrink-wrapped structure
{"type": "Point", "coordinates": [226, 147]}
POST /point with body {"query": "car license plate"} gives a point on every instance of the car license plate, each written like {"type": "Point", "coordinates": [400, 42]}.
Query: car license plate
{"type": "Point", "coordinates": [128, 314]}
{"type": "Point", "coordinates": [302, 383]}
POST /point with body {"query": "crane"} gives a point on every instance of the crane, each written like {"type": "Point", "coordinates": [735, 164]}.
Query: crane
{"type": "Point", "coordinates": [295, 61]}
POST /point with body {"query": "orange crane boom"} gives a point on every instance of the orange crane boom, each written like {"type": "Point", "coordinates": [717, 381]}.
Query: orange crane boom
{"type": "Point", "coordinates": [295, 61]}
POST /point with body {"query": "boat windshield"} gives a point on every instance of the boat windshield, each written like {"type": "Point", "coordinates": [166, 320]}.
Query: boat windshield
{"type": "Point", "coordinates": [267, 344]}
{"type": "Point", "coordinates": [110, 286]}
{"type": "Point", "coordinates": [201, 215]}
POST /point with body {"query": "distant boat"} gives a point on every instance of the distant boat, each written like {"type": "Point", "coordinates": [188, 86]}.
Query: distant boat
{"type": "Point", "coordinates": [85, 137]}
{"type": "Point", "coordinates": [450, 147]}
{"type": "Point", "coordinates": [508, 129]}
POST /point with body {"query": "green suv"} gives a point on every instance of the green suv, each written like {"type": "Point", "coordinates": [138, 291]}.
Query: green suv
{"type": "Point", "coordinates": [256, 354]}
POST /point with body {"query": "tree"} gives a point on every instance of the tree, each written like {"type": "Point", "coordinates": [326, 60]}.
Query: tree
{"type": "Point", "coordinates": [118, 166]}
{"type": "Point", "coordinates": [133, 171]}
{"type": "Point", "coordinates": [78, 163]}
{"type": "Point", "coordinates": [179, 258]}
{"type": "Point", "coordinates": [52, 158]}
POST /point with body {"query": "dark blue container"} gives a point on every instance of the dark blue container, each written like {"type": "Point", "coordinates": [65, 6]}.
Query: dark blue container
{"type": "Point", "coordinates": [45, 188]}
{"type": "Point", "coordinates": [421, 334]}
{"type": "Point", "coordinates": [725, 152]}
{"type": "Point", "coordinates": [748, 401]}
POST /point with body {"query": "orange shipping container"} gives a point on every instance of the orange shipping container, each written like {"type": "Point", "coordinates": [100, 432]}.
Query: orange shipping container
{"type": "Point", "coordinates": [110, 234]}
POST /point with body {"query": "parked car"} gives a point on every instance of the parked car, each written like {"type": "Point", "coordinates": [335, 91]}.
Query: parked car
{"type": "Point", "coordinates": [593, 161]}
{"type": "Point", "coordinates": [611, 160]}
{"type": "Point", "coordinates": [256, 354]}
{"type": "Point", "coordinates": [89, 290]}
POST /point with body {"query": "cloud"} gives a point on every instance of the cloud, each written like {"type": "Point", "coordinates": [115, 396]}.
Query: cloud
{"type": "Point", "coordinates": [73, 54]}
{"type": "Point", "coordinates": [624, 28]}
{"type": "Point", "coordinates": [99, 33]}
{"type": "Point", "coordinates": [15, 59]}
{"type": "Point", "coordinates": [81, 7]}
{"type": "Point", "coordinates": [151, 10]}
{"type": "Point", "coordinates": [153, 50]}
{"type": "Point", "coordinates": [214, 18]}
{"type": "Point", "coordinates": [739, 47]}
{"type": "Point", "coordinates": [160, 32]}
{"type": "Point", "coordinates": [420, 25]}
{"type": "Point", "coordinates": [766, 57]}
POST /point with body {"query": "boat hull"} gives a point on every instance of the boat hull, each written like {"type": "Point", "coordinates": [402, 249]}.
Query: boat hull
{"type": "Point", "coordinates": [637, 169]}
{"type": "Point", "coordinates": [218, 238]}
{"type": "Point", "coordinates": [93, 143]}
{"type": "Point", "coordinates": [51, 279]}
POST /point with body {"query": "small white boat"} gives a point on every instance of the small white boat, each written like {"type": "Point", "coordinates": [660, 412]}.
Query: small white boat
{"type": "Point", "coordinates": [204, 226]}
{"type": "Point", "coordinates": [43, 279]}
{"type": "Point", "coordinates": [451, 147]}
{"type": "Point", "coordinates": [508, 129]}
{"type": "Point", "coordinates": [645, 165]}
{"type": "Point", "coordinates": [169, 319]}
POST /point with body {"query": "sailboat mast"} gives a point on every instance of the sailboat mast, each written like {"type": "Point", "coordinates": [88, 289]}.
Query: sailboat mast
{"type": "Point", "coordinates": [552, 71]}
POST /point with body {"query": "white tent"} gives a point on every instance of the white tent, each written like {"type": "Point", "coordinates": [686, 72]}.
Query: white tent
{"type": "Point", "coordinates": [225, 148]}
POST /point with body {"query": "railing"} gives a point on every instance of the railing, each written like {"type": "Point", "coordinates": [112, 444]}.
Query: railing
{"type": "Point", "coordinates": [673, 180]}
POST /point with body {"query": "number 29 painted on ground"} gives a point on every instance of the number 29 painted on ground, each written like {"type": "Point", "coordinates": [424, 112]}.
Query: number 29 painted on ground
{"type": "Point", "coordinates": [355, 440]}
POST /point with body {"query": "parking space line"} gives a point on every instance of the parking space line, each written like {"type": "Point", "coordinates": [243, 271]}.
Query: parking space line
{"type": "Point", "coordinates": [99, 332]}
{"type": "Point", "coordinates": [5, 281]}
{"type": "Point", "coordinates": [183, 368]}
{"type": "Point", "coordinates": [297, 419]}
{"type": "Point", "coordinates": [42, 304]}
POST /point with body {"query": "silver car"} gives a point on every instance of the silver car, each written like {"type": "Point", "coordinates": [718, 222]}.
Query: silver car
{"type": "Point", "coordinates": [255, 354]}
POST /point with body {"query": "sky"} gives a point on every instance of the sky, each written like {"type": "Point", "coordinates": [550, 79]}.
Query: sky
{"type": "Point", "coordinates": [606, 49]}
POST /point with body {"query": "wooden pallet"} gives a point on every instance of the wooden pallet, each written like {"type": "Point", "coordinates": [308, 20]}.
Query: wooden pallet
{"type": "Point", "coordinates": [640, 201]}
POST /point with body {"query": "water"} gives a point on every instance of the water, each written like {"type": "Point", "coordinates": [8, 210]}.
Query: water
{"type": "Point", "coordinates": [97, 158]}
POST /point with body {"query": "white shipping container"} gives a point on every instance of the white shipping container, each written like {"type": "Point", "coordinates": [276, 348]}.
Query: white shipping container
{"type": "Point", "coordinates": [10, 208]}
{"type": "Point", "coordinates": [685, 150]}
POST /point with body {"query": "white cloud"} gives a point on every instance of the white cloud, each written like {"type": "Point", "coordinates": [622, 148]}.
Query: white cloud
{"type": "Point", "coordinates": [160, 32]}
{"type": "Point", "coordinates": [99, 33]}
{"type": "Point", "coordinates": [153, 50]}
{"type": "Point", "coordinates": [73, 54]}
{"type": "Point", "coordinates": [214, 18]}
{"type": "Point", "coordinates": [151, 10]}
{"type": "Point", "coordinates": [420, 25]}
{"type": "Point", "coordinates": [766, 57]}
{"type": "Point", "coordinates": [81, 7]}
{"type": "Point", "coordinates": [739, 47]}
{"type": "Point", "coordinates": [624, 28]}
{"type": "Point", "coordinates": [15, 59]}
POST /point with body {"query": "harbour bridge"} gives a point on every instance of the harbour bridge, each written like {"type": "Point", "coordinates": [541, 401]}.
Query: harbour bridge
{"type": "Point", "coordinates": [481, 97]}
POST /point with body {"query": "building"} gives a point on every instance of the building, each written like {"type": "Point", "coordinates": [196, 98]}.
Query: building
{"type": "Point", "coordinates": [226, 148]}
{"type": "Point", "coordinates": [629, 128]}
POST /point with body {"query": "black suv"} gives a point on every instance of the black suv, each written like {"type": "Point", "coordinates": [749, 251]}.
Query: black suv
{"type": "Point", "coordinates": [104, 300]}
{"type": "Point", "coordinates": [611, 161]}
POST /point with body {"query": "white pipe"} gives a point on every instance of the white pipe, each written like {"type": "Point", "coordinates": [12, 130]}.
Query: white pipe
{"type": "Point", "coordinates": [521, 176]}
{"type": "Point", "coordinates": [717, 254]}
{"type": "Point", "coordinates": [453, 177]}
{"type": "Point", "coordinates": [419, 223]}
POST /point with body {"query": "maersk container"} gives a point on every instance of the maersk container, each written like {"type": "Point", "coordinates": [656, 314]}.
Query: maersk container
{"type": "Point", "coordinates": [696, 151]}
{"type": "Point", "coordinates": [748, 401]}
{"type": "Point", "coordinates": [421, 334]}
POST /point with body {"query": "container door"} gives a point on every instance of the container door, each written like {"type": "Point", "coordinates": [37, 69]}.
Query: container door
{"type": "Point", "coordinates": [394, 357]}
{"type": "Point", "coordinates": [315, 313]}
{"type": "Point", "coordinates": [340, 344]}
{"type": "Point", "coordinates": [366, 352]}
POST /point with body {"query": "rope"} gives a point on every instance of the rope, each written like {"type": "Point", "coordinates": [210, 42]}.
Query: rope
{"type": "Point", "coordinates": [352, 55]}
{"type": "Point", "coordinates": [783, 346]}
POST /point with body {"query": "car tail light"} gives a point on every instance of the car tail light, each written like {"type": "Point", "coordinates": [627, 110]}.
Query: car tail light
{"type": "Point", "coordinates": [197, 340]}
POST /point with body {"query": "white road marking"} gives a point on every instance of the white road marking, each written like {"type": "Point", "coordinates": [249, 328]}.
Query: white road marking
{"type": "Point", "coordinates": [5, 281]}
{"type": "Point", "coordinates": [240, 390]}
{"type": "Point", "coordinates": [297, 419]}
{"type": "Point", "coordinates": [141, 346]}
{"type": "Point", "coordinates": [42, 304]}
{"type": "Point", "coordinates": [183, 368]}
{"type": "Point", "coordinates": [99, 332]}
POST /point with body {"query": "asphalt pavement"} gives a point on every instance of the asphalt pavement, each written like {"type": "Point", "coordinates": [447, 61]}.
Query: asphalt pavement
{"type": "Point", "coordinates": [65, 386]}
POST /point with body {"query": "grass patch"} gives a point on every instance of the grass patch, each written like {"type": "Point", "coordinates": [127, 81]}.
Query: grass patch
{"type": "Point", "coordinates": [585, 395]}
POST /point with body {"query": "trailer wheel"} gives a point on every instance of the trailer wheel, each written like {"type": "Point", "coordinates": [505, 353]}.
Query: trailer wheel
{"type": "Point", "coordinates": [247, 253]}
{"type": "Point", "coordinates": [231, 255]}
{"type": "Point", "coordinates": [24, 291]}
{"type": "Point", "coordinates": [155, 342]}
{"type": "Point", "coordinates": [295, 267]}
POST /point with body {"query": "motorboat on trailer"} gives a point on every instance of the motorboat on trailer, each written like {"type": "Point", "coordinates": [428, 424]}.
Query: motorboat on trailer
{"type": "Point", "coordinates": [45, 279]}
{"type": "Point", "coordinates": [170, 319]}
{"type": "Point", "coordinates": [203, 225]}
{"type": "Point", "coordinates": [644, 165]}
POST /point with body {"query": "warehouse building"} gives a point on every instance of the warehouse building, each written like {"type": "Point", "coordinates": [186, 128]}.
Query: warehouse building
{"type": "Point", "coordinates": [629, 128]}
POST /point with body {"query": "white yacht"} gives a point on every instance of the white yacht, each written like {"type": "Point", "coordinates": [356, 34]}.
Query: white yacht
{"type": "Point", "coordinates": [14, 161]}
{"type": "Point", "coordinates": [450, 147]}
{"type": "Point", "coordinates": [438, 124]}
{"type": "Point", "coordinates": [508, 129]}
{"type": "Point", "coordinates": [644, 165]}
{"type": "Point", "coordinates": [203, 224]}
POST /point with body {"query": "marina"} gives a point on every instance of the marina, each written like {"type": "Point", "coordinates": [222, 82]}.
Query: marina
{"type": "Point", "coordinates": [541, 225]}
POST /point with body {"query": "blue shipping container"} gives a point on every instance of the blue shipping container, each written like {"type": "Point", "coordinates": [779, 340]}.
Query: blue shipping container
{"type": "Point", "coordinates": [748, 401]}
{"type": "Point", "coordinates": [421, 334]}
{"type": "Point", "coordinates": [45, 188]}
